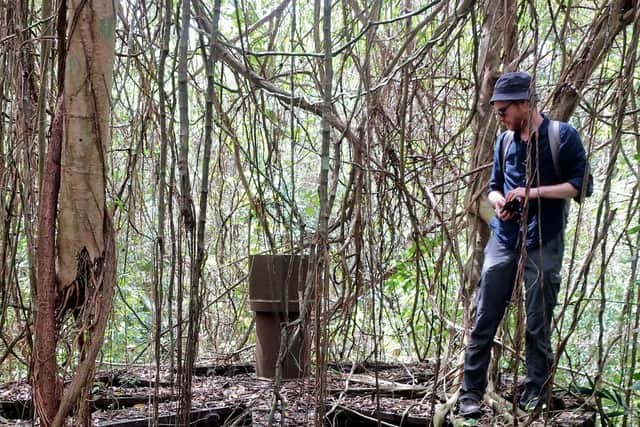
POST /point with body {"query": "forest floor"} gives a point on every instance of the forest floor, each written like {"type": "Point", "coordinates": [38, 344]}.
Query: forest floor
{"type": "Point", "coordinates": [233, 395]}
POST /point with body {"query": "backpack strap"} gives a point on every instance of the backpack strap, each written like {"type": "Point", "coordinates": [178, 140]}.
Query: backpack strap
{"type": "Point", "coordinates": [554, 144]}
{"type": "Point", "coordinates": [506, 142]}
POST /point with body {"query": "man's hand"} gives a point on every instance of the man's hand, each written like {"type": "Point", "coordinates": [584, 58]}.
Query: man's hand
{"type": "Point", "coordinates": [557, 191]}
{"type": "Point", "coordinates": [519, 194]}
{"type": "Point", "coordinates": [498, 201]}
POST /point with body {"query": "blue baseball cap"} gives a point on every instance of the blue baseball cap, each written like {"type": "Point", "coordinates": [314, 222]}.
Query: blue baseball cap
{"type": "Point", "coordinates": [512, 87]}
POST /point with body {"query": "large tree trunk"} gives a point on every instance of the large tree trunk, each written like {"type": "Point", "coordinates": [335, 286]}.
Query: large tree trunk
{"type": "Point", "coordinates": [86, 247]}
{"type": "Point", "coordinates": [498, 34]}
{"type": "Point", "coordinates": [88, 77]}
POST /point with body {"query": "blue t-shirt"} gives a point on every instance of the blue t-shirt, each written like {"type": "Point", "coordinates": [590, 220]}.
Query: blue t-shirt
{"type": "Point", "coordinates": [546, 215]}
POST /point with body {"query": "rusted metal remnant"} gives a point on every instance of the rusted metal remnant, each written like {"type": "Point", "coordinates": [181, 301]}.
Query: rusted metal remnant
{"type": "Point", "coordinates": [270, 277]}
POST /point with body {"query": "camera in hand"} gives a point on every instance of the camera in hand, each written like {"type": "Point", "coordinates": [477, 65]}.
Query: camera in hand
{"type": "Point", "coordinates": [513, 207]}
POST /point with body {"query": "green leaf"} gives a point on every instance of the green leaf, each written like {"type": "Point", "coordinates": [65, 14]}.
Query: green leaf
{"type": "Point", "coordinates": [633, 230]}
{"type": "Point", "coordinates": [146, 266]}
{"type": "Point", "coordinates": [614, 414]}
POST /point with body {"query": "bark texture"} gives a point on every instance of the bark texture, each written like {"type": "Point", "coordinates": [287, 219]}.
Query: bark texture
{"type": "Point", "coordinates": [86, 244]}
{"type": "Point", "coordinates": [88, 77]}
{"type": "Point", "coordinates": [498, 33]}
{"type": "Point", "coordinates": [46, 385]}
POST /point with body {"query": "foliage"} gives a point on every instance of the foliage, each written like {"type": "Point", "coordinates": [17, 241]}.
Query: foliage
{"type": "Point", "coordinates": [404, 110]}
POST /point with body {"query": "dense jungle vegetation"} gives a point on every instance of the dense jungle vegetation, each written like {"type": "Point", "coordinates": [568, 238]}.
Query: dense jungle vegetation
{"type": "Point", "coordinates": [358, 133]}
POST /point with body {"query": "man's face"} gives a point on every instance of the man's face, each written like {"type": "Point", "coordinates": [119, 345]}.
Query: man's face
{"type": "Point", "coordinates": [512, 114]}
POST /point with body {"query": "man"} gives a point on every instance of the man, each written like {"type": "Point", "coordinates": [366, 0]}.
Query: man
{"type": "Point", "coordinates": [522, 159]}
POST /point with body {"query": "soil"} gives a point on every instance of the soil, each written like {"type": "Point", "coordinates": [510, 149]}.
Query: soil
{"type": "Point", "coordinates": [233, 395]}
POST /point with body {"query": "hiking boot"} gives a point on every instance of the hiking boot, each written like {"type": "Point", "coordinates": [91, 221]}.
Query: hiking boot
{"type": "Point", "coordinates": [469, 407]}
{"type": "Point", "coordinates": [529, 400]}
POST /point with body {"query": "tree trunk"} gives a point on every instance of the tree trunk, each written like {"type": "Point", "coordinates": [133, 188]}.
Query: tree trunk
{"type": "Point", "coordinates": [496, 37]}
{"type": "Point", "coordinates": [46, 386]}
{"type": "Point", "coordinates": [183, 107]}
{"type": "Point", "coordinates": [186, 204]}
{"type": "Point", "coordinates": [614, 17]}
{"type": "Point", "coordinates": [322, 262]}
{"type": "Point", "coordinates": [161, 185]}
{"type": "Point", "coordinates": [88, 77]}
{"type": "Point", "coordinates": [86, 246]}
{"type": "Point", "coordinates": [44, 85]}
